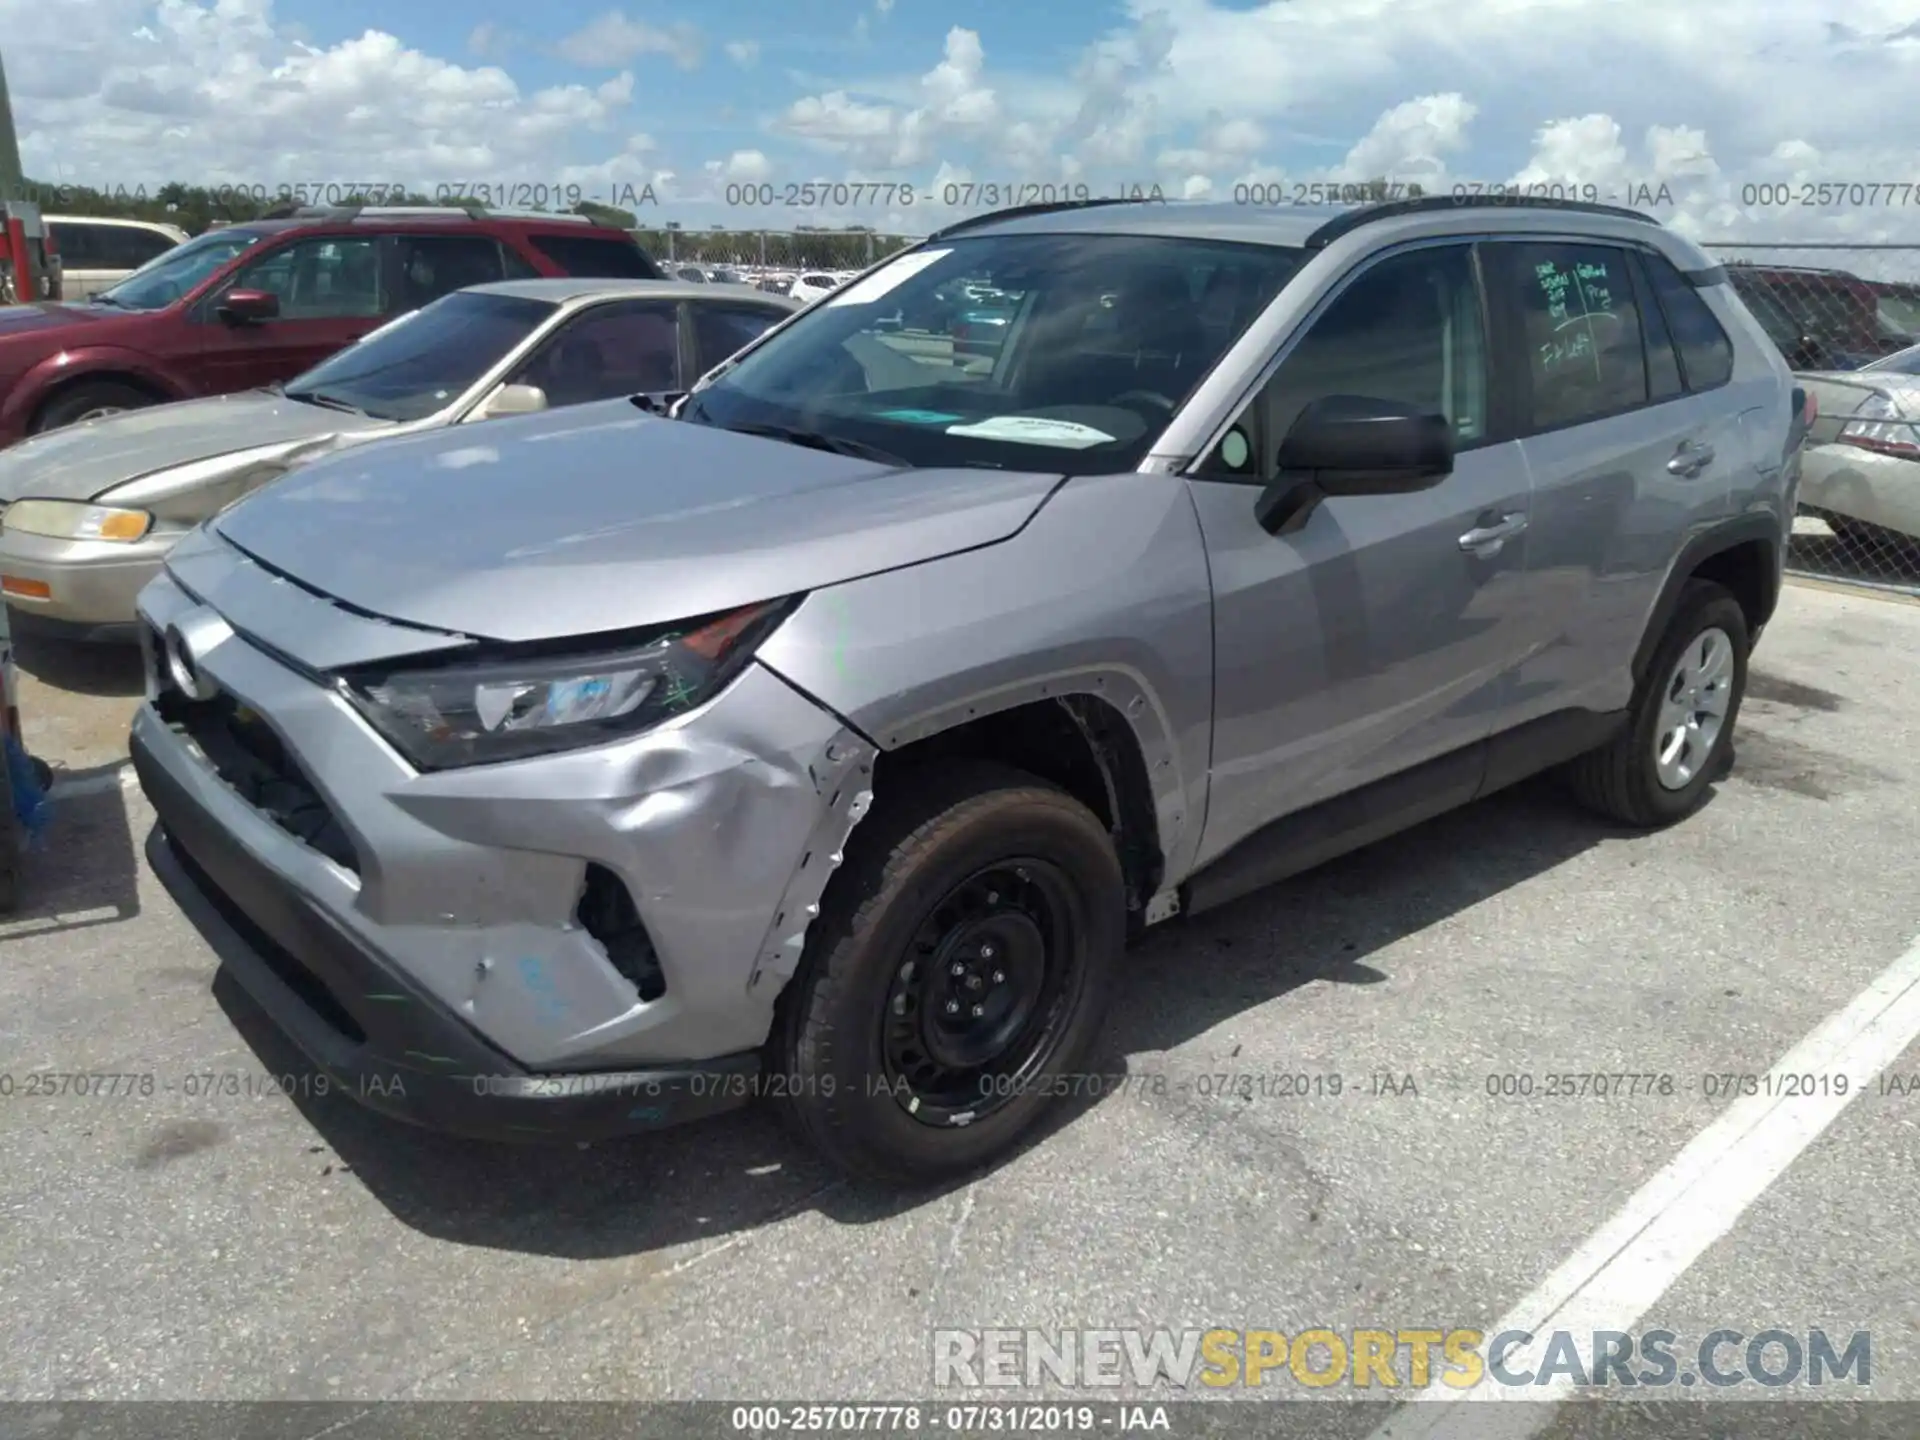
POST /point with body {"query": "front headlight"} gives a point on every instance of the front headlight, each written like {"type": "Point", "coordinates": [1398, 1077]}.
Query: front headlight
{"type": "Point", "coordinates": [466, 713]}
{"type": "Point", "coordinates": [77, 520]}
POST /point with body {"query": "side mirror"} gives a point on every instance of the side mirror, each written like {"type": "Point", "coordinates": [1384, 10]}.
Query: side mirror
{"type": "Point", "coordinates": [248, 307]}
{"type": "Point", "coordinates": [1352, 445]}
{"type": "Point", "coordinates": [511, 400]}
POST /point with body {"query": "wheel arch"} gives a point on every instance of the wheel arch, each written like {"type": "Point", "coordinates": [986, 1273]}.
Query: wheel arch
{"type": "Point", "coordinates": [1744, 554]}
{"type": "Point", "coordinates": [1083, 739]}
{"type": "Point", "coordinates": [44, 384]}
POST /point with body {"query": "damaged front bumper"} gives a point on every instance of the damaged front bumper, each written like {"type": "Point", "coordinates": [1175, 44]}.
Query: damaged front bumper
{"type": "Point", "coordinates": [424, 937]}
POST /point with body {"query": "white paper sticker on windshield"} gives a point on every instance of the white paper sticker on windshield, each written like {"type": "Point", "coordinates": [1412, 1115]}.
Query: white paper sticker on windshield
{"type": "Point", "coordinates": [1033, 430]}
{"type": "Point", "coordinates": [866, 291]}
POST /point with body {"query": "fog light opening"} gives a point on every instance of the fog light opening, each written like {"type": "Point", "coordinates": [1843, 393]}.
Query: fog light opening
{"type": "Point", "coordinates": [607, 913]}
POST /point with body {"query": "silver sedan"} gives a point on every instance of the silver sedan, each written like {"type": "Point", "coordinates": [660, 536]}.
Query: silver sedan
{"type": "Point", "coordinates": [89, 513]}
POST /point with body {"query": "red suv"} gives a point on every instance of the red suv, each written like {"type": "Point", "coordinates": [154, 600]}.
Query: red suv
{"type": "Point", "coordinates": [260, 302]}
{"type": "Point", "coordinates": [1827, 319]}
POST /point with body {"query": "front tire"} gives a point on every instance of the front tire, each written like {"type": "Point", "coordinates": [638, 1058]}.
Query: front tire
{"type": "Point", "coordinates": [955, 978]}
{"type": "Point", "coordinates": [89, 400]}
{"type": "Point", "coordinates": [1678, 738]}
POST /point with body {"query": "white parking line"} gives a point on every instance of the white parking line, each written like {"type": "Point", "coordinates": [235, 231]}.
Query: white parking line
{"type": "Point", "coordinates": [1620, 1273]}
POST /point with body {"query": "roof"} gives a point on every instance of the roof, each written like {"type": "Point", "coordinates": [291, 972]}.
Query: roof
{"type": "Point", "coordinates": [167, 226]}
{"type": "Point", "coordinates": [580, 287]}
{"type": "Point", "coordinates": [1302, 226]}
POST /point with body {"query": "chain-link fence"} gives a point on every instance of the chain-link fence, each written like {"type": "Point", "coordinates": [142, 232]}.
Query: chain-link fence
{"type": "Point", "coordinates": [1847, 318]}
{"type": "Point", "coordinates": [778, 253]}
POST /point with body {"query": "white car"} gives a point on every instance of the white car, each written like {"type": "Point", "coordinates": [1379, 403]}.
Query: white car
{"type": "Point", "coordinates": [813, 285]}
{"type": "Point", "coordinates": [97, 253]}
{"type": "Point", "coordinates": [1860, 470]}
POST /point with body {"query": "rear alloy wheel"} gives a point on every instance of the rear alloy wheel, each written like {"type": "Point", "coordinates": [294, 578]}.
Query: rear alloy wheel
{"type": "Point", "coordinates": [1678, 738]}
{"type": "Point", "coordinates": [89, 401]}
{"type": "Point", "coordinates": [956, 976]}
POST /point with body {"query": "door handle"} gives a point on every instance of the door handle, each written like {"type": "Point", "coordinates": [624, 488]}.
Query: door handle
{"type": "Point", "coordinates": [1690, 459]}
{"type": "Point", "coordinates": [1486, 540]}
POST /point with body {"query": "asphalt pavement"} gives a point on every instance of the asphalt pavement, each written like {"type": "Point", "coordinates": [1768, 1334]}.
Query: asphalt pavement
{"type": "Point", "coordinates": [233, 1235]}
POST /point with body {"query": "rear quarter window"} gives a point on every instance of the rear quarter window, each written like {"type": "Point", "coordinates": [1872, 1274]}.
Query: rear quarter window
{"type": "Point", "coordinates": [599, 256]}
{"type": "Point", "coordinates": [1706, 354]}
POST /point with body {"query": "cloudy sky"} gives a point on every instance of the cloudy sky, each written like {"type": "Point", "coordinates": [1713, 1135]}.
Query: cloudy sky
{"type": "Point", "coordinates": [1717, 101]}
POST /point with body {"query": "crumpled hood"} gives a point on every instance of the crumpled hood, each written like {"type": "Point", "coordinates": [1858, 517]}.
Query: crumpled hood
{"type": "Point", "coordinates": [80, 461]}
{"type": "Point", "coordinates": [602, 517]}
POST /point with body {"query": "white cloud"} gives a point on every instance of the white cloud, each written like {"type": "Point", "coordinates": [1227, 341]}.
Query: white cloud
{"type": "Point", "coordinates": [612, 40]}
{"type": "Point", "coordinates": [955, 107]}
{"type": "Point", "coordinates": [139, 94]}
{"type": "Point", "coordinates": [749, 167]}
{"type": "Point", "coordinates": [1685, 107]}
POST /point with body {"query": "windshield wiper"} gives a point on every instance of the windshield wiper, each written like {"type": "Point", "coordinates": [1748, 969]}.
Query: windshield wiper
{"type": "Point", "coordinates": [103, 298]}
{"type": "Point", "coordinates": [814, 440]}
{"type": "Point", "coordinates": [325, 401]}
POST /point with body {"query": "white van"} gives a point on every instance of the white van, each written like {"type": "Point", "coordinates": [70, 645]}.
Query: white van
{"type": "Point", "coordinates": [97, 252]}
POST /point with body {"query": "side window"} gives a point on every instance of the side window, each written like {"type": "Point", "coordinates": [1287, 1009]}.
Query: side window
{"type": "Point", "coordinates": [1406, 330]}
{"type": "Point", "coordinates": [323, 278]}
{"type": "Point", "coordinates": [128, 247]}
{"type": "Point", "coordinates": [619, 348]}
{"type": "Point", "coordinates": [1663, 364]}
{"type": "Point", "coordinates": [1706, 354]}
{"type": "Point", "coordinates": [720, 330]}
{"type": "Point", "coordinates": [80, 245]}
{"type": "Point", "coordinates": [601, 255]}
{"type": "Point", "coordinates": [1580, 328]}
{"type": "Point", "coordinates": [434, 265]}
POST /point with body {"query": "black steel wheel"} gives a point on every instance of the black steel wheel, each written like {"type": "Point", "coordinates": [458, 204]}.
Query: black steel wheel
{"type": "Point", "coordinates": [978, 1002]}
{"type": "Point", "coordinates": [957, 973]}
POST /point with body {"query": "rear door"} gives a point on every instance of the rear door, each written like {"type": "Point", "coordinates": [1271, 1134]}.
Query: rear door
{"type": "Point", "coordinates": [330, 293]}
{"type": "Point", "coordinates": [422, 268]}
{"type": "Point", "coordinates": [1630, 442]}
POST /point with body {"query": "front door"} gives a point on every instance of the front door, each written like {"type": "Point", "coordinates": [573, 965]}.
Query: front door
{"type": "Point", "coordinates": [1382, 633]}
{"type": "Point", "coordinates": [330, 295]}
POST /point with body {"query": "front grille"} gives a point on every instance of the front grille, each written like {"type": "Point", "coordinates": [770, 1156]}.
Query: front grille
{"type": "Point", "coordinates": [245, 753]}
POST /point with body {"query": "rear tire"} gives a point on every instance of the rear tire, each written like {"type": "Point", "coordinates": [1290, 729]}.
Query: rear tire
{"type": "Point", "coordinates": [1626, 779]}
{"type": "Point", "coordinates": [979, 907]}
{"type": "Point", "coordinates": [88, 400]}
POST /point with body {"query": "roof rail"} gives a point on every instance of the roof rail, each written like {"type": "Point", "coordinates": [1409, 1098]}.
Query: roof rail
{"type": "Point", "coordinates": [1347, 223]}
{"type": "Point", "coordinates": [1044, 207]}
{"type": "Point", "coordinates": [473, 210]}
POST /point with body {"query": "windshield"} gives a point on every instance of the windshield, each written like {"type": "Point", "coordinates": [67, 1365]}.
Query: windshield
{"type": "Point", "coordinates": [412, 367]}
{"type": "Point", "coordinates": [176, 272]}
{"type": "Point", "coordinates": [1090, 344]}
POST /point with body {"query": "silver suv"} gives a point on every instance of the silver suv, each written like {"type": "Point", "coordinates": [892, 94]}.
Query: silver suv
{"type": "Point", "coordinates": [827, 740]}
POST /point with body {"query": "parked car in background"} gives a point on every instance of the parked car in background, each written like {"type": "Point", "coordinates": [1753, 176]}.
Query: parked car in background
{"type": "Point", "coordinates": [812, 286]}
{"type": "Point", "coordinates": [831, 740]}
{"type": "Point", "coordinates": [87, 514]}
{"type": "Point", "coordinates": [690, 274]}
{"type": "Point", "coordinates": [253, 303]}
{"type": "Point", "coordinates": [1827, 319]}
{"type": "Point", "coordinates": [1860, 472]}
{"type": "Point", "coordinates": [775, 284]}
{"type": "Point", "coordinates": [97, 252]}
